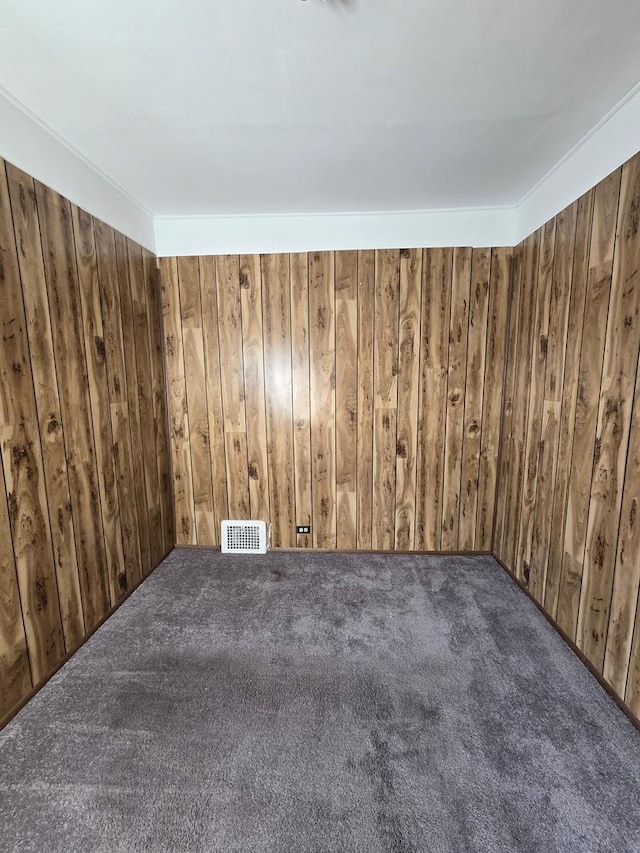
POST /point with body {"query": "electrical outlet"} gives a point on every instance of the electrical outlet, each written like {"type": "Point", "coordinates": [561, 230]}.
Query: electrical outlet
{"type": "Point", "coordinates": [303, 528]}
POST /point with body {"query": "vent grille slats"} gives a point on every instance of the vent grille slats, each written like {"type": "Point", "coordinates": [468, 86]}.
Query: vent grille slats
{"type": "Point", "coordinates": [245, 537]}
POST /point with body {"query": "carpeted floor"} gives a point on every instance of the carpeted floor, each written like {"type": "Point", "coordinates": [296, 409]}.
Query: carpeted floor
{"type": "Point", "coordinates": [315, 702]}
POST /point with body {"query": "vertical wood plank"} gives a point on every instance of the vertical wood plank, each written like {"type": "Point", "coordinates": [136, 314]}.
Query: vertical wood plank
{"type": "Point", "coordinates": [232, 377]}
{"type": "Point", "coordinates": [91, 318]}
{"type": "Point", "coordinates": [323, 396]}
{"type": "Point", "coordinates": [196, 391]}
{"type": "Point", "coordinates": [27, 232]}
{"type": "Point", "coordinates": [535, 405]}
{"type": "Point", "coordinates": [15, 674]}
{"type": "Point", "coordinates": [434, 365]}
{"type": "Point", "coordinates": [614, 420]}
{"type": "Point", "coordinates": [410, 310]}
{"type": "Point", "coordinates": [364, 497]}
{"type": "Point", "coordinates": [276, 318]}
{"type": "Point", "coordinates": [500, 289]}
{"type": "Point", "coordinates": [458, 334]}
{"type": "Point", "coordinates": [579, 276]}
{"type": "Point", "coordinates": [474, 396]}
{"type": "Point", "coordinates": [22, 464]}
{"type": "Point", "coordinates": [184, 505]}
{"type": "Point", "coordinates": [584, 433]}
{"type": "Point", "coordinates": [301, 414]}
{"type": "Point", "coordinates": [387, 299]}
{"type": "Point", "coordinates": [117, 387]}
{"type": "Point", "coordinates": [64, 306]}
{"type": "Point", "coordinates": [253, 359]}
{"type": "Point", "coordinates": [346, 284]}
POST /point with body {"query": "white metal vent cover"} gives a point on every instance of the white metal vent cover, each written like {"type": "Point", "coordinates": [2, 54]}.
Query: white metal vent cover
{"type": "Point", "coordinates": [245, 537]}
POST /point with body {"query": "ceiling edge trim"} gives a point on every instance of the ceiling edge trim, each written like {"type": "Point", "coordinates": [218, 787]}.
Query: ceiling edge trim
{"type": "Point", "coordinates": [216, 235]}
{"type": "Point", "coordinates": [613, 141]}
{"type": "Point", "coordinates": [29, 144]}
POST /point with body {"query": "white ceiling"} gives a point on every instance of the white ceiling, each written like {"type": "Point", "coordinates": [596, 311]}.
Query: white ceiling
{"type": "Point", "coordinates": [284, 106]}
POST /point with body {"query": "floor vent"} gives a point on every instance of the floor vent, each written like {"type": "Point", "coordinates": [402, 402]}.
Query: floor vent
{"type": "Point", "coordinates": [245, 537]}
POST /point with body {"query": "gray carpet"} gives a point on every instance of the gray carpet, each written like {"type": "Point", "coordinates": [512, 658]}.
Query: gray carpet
{"type": "Point", "coordinates": [313, 702]}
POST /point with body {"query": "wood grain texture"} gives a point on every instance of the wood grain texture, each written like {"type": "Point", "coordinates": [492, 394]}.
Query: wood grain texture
{"type": "Point", "coordinates": [327, 377]}
{"type": "Point", "coordinates": [583, 489]}
{"type": "Point", "coordinates": [69, 530]}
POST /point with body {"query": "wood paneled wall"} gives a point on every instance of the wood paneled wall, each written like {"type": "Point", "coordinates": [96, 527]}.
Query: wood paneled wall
{"type": "Point", "coordinates": [358, 392]}
{"type": "Point", "coordinates": [567, 523]}
{"type": "Point", "coordinates": [85, 512]}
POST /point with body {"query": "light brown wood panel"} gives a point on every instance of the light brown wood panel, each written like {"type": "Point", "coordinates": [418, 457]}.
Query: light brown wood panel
{"type": "Point", "coordinates": [535, 403]}
{"type": "Point", "coordinates": [276, 318]}
{"type": "Point", "coordinates": [117, 389]}
{"type": "Point", "coordinates": [410, 308]}
{"type": "Point", "coordinates": [502, 286]}
{"type": "Point", "coordinates": [579, 259]}
{"type": "Point", "coordinates": [138, 283]}
{"type": "Point", "coordinates": [585, 487]}
{"type": "Point", "coordinates": [474, 396]}
{"type": "Point", "coordinates": [614, 421]}
{"type": "Point", "coordinates": [232, 381]}
{"type": "Point", "coordinates": [184, 506]}
{"type": "Point", "coordinates": [552, 403]}
{"type": "Point", "coordinates": [99, 397]}
{"type": "Point", "coordinates": [385, 384]}
{"type": "Point", "coordinates": [584, 430]}
{"type": "Point", "coordinates": [21, 452]}
{"type": "Point", "coordinates": [432, 406]}
{"type": "Point", "coordinates": [15, 673]}
{"type": "Point", "coordinates": [349, 353]}
{"type": "Point", "coordinates": [346, 291]}
{"type": "Point", "coordinates": [215, 415]}
{"type": "Point", "coordinates": [253, 360]}
{"type": "Point", "coordinates": [364, 466]}
{"type": "Point", "coordinates": [125, 276]}
{"type": "Point", "coordinates": [27, 233]}
{"type": "Point", "coordinates": [196, 393]}
{"type": "Point", "coordinates": [323, 396]}
{"type": "Point", "coordinates": [301, 412]}
{"type": "Point", "coordinates": [69, 530]}
{"type": "Point", "coordinates": [456, 378]}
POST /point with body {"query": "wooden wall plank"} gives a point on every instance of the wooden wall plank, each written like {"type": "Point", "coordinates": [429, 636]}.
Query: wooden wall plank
{"type": "Point", "coordinates": [323, 397]}
{"type": "Point", "coordinates": [410, 314]}
{"type": "Point", "coordinates": [196, 393]}
{"type": "Point", "coordinates": [456, 378]}
{"type": "Point", "coordinates": [15, 673]}
{"type": "Point", "coordinates": [117, 389]}
{"type": "Point", "coordinates": [434, 365]}
{"type": "Point", "coordinates": [474, 396]}
{"type": "Point", "coordinates": [91, 317]}
{"type": "Point", "coordinates": [500, 289]}
{"type": "Point", "coordinates": [535, 413]}
{"type": "Point", "coordinates": [387, 278]}
{"type": "Point", "coordinates": [69, 529]}
{"type": "Point", "coordinates": [27, 232]}
{"type": "Point", "coordinates": [73, 385]}
{"type": "Point", "coordinates": [215, 414]}
{"type": "Point", "coordinates": [276, 319]}
{"type": "Point", "coordinates": [125, 274]}
{"type": "Point", "coordinates": [346, 289]}
{"type": "Point", "coordinates": [364, 468]}
{"type": "Point", "coordinates": [138, 283]}
{"type": "Point", "coordinates": [184, 506]}
{"type": "Point", "coordinates": [301, 413]}
{"type": "Point", "coordinates": [614, 421]}
{"type": "Point", "coordinates": [253, 360]}
{"type": "Point", "coordinates": [22, 464]}
{"type": "Point", "coordinates": [579, 277]}
{"type": "Point", "coordinates": [584, 432]}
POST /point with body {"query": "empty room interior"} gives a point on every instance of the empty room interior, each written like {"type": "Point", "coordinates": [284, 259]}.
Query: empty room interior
{"type": "Point", "coordinates": [320, 426]}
